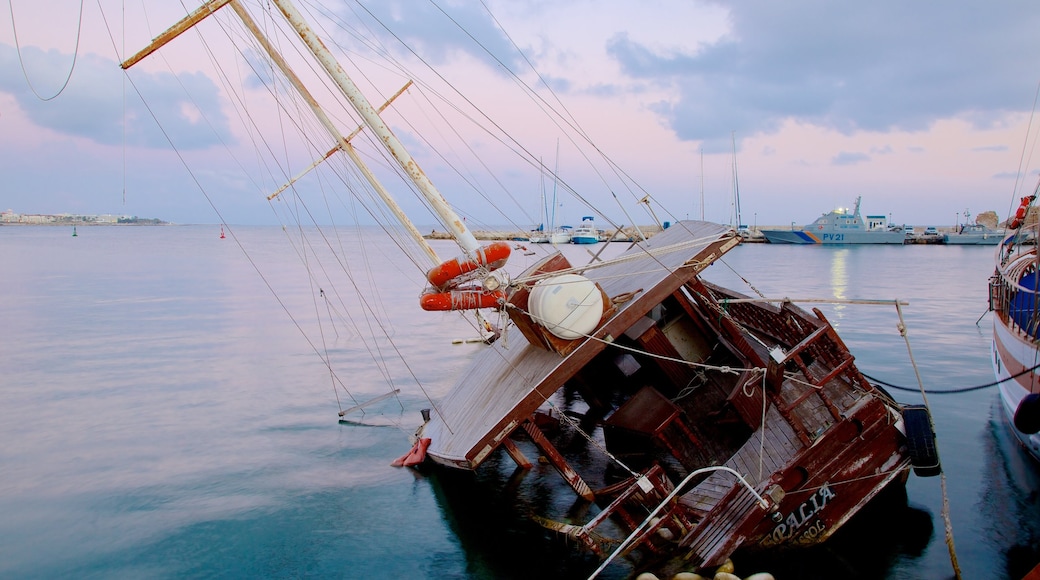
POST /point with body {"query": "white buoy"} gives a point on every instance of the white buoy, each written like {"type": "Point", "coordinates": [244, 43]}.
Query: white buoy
{"type": "Point", "coordinates": [569, 305]}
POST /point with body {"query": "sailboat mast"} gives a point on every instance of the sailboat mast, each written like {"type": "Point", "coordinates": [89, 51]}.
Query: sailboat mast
{"type": "Point", "coordinates": [448, 217]}
{"type": "Point", "coordinates": [736, 186]}
{"type": "Point", "coordinates": [702, 183]}
{"type": "Point", "coordinates": [343, 143]}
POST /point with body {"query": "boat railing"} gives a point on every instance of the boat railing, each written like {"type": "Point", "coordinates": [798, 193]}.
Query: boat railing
{"type": "Point", "coordinates": [1018, 304]}
{"type": "Point", "coordinates": [762, 502]}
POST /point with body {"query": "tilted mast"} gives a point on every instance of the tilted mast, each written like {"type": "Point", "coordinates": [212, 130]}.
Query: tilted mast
{"type": "Point", "coordinates": [368, 113]}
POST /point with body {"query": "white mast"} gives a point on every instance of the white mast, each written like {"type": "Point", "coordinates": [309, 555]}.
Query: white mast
{"type": "Point", "coordinates": [736, 186]}
{"type": "Point", "coordinates": [368, 113]}
{"type": "Point", "coordinates": [702, 183]}
{"type": "Point", "coordinates": [451, 220]}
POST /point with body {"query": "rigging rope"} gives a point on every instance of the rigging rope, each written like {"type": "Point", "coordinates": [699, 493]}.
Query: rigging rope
{"type": "Point", "coordinates": [21, 62]}
{"type": "Point", "coordinates": [956, 391]}
{"type": "Point", "coordinates": [942, 474]}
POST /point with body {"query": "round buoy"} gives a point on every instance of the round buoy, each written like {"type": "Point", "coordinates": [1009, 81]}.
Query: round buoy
{"type": "Point", "coordinates": [569, 305]}
{"type": "Point", "coordinates": [1027, 415]}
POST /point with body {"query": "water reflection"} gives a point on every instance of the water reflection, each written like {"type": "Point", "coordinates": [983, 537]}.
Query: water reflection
{"type": "Point", "coordinates": [1010, 497]}
{"type": "Point", "coordinates": [489, 511]}
{"type": "Point", "coordinates": [839, 280]}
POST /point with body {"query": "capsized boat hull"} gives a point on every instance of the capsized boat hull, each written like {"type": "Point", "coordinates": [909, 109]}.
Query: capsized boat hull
{"type": "Point", "coordinates": [671, 383]}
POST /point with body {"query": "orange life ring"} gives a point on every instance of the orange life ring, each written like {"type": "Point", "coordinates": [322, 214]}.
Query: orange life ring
{"type": "Point", "coordinates": [1020, 214]}
{"type": "Point", "coordinates": [451, 273]}
{"type": "Point", "coordinates": [461, 299]}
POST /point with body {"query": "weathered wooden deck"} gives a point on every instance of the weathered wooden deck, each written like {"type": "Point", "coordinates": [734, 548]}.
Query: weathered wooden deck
{"type": "Point", "coordinates": [508, 381]}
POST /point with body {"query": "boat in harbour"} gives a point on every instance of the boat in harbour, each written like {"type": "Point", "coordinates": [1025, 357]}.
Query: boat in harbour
{"type": "Point", "coordinates": [688, 420]}
{"type": "Point", "coordinates": [1014, 299]}
{"type": "Point", "coordinates": [973, 234]}
{"type": "Point", "coordinates": [840, 226]}
{"type": "Point", "coordinates": [552, 234]}
{"type": "Point", "coordinates": [586, 233]}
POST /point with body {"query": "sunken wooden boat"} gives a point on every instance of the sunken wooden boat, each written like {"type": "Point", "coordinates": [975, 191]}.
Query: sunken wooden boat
{"type": "Point", "coordinates": [693, 421]}
{"type": "Point", "coordinates": [682, 385]}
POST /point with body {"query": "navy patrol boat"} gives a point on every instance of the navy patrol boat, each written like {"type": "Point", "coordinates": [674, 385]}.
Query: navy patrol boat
{"type": "Point", "coordinates": [840, 226]}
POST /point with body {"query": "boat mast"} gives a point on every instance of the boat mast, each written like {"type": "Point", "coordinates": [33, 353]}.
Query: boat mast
{"type": "Point", "coordinates": [342, 143]}
{"type": "Point", "coordinates": [736, 186]}
{"type": "Point", "coordinates": [369, 114]}
{"type": "Point", "coordinates": [702, 183]}
{"type": "Point", "coordinates": [449, 218]}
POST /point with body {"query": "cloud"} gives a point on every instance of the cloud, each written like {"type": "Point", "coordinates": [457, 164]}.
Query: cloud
{"type": "Point", "coordinates": [873, 66]}
{"type": "Point", "coordinates": [846, 158]}
{"type": "Point", "coordinates": [93, 106]}
{"type": "Point", "coordinates": [991, 148]}
{"type": "Point", "coordinates": [439, 31]}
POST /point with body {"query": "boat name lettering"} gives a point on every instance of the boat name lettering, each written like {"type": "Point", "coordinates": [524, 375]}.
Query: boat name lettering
{"type": "Point", "coordinates": [834, 237]}
{"type": "Point", "coordinates": [798, 517]}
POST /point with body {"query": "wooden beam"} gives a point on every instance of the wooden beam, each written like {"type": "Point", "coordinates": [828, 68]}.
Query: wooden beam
{"type": "Point", "coordinates": [176, 30]}
{"type": "Point", "coordinates": [557, 461]}
{"type": "Point", "coordinates": [516, 454]}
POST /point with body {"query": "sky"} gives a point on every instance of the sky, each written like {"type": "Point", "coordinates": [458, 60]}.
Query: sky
{"type": "Point", "coordinates": [924, 109]}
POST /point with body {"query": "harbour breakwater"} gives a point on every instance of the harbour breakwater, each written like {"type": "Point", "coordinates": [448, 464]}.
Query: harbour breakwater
{"type": "Point", "coordinates": [628, 234]}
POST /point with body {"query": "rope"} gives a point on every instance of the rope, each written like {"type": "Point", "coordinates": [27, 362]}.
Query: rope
{"type": "Point", "coordinates": [652, 252]}
{"type": "Point", "coordinates": [942, 474]}
{"type": "Point", "coordinates": [21, 63]}
{"type": "Point", "coordinates": [574, 424]}
{"type": "Point", "coordinates": [956, 391]}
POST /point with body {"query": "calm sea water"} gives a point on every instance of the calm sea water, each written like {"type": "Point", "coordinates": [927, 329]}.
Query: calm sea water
{"type": "Point", "coordinates": [165, 412]}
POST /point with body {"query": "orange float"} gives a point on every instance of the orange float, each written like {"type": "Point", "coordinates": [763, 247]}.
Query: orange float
{"type": "Point", "coordinates": [450, 274]}
{"type": "Point", "coordinates": [461, 299]}
{"type": "Point", "coordinates": [414, 457]}
{"type": "Point", "coordinates": [1020, 215]}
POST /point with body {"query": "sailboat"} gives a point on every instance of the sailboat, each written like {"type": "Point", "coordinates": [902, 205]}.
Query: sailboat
{"type": "Point", "coordinates": [552, 235]}
{"type": "Point", "coordinates": [741, 227]}
{"type": "Point", "coordinates": [1014, 299]}
{"type": "Point", "coordinates": [689, 419]}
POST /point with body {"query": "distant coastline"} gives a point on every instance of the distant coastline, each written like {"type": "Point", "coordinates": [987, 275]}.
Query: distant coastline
{"type": "Point", "coordinates": [67, 219]}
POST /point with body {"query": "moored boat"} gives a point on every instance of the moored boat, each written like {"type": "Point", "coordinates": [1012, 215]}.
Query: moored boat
{"type": "Point", "coordinates": [1014, 298]}
{"type": "Point", "coordinates": [840, 226]}
{"type": "Point", "coordinates": [973, 234]}
{"type": "Point", "coordinates": [586, 233]}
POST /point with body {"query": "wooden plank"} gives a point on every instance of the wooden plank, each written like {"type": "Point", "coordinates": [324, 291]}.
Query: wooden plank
{"type": "Point", "coordinates": [517, 455]}
{"type": "Point", "coordinates": [557, 460]}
